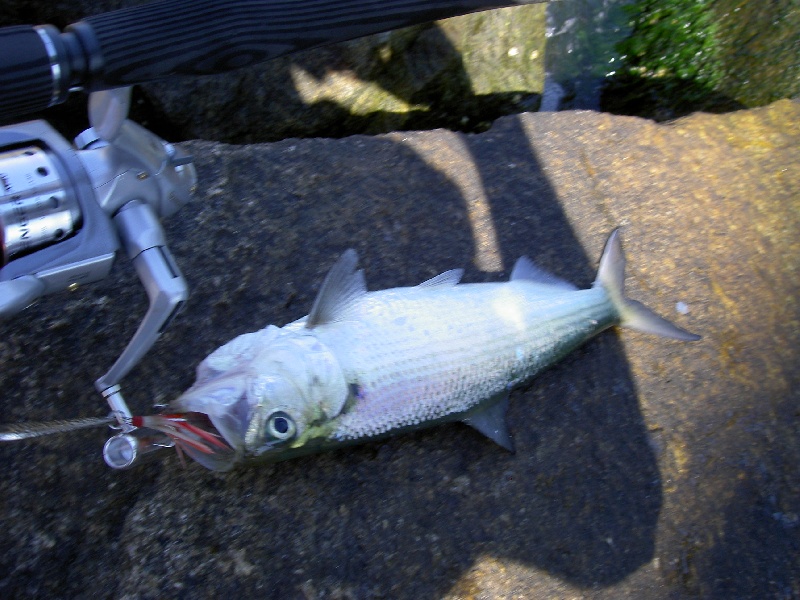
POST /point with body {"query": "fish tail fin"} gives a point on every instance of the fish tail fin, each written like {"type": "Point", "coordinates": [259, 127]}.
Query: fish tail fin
{"type": "Point", "coordinates": [633, 314]}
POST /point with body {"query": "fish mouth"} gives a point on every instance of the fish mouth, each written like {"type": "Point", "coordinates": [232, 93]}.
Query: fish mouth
{"type": "Point", "coordinates": [196, 435]}
{"type": "Point", "coordinates": [216, 412]}
{"type": "Point", "coordinates": [214, 450]}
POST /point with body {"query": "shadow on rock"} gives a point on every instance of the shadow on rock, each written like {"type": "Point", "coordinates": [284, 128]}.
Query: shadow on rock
{"type": "Point", "coordinates": [755, 552]}
{"type": "Point", "coordinates": [756, 527]}
{"type": "Point", "coordinates": [662, 99]}
{"type": "Point", "coordinates": [415, 80]}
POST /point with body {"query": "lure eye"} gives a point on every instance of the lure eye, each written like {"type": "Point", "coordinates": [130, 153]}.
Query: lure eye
{"type": "Point", "coordinates": [280, 426]}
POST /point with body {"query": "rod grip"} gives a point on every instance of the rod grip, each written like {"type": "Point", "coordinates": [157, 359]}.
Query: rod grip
{"type": "Point", "coordinates": [26, 80]}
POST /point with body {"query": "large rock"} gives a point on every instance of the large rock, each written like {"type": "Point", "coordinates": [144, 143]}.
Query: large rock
{"type": "Point", "coordinates": [459, 73]}
{"type": "Point", "coordinates": [644, 467]}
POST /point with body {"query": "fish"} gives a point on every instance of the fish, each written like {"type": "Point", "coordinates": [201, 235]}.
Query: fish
{"type": "Point", "coordinates": [365, 365]}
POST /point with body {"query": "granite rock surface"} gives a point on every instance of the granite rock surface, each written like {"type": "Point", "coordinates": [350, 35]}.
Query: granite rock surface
{"type": "Point", "coordinates": [645, 467]}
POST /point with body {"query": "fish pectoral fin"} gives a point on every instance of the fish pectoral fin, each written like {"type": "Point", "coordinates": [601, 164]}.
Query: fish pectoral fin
{"type": "Point", "coordinates": [343, 285]}
{"type": "Point", "coordinates": [491, 422]}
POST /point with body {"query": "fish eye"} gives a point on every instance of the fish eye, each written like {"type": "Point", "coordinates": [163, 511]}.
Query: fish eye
{"type": "Point", "coordinates": [280, 426]}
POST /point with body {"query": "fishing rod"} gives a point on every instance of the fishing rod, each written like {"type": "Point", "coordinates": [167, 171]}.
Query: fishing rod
{"type": "Point", "coordinates": [40, 65]}
{"type": "Point", "coordinates": [66, 210]}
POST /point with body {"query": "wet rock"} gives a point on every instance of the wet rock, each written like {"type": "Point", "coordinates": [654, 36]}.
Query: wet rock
{"type": "Point", "coordinates": [644, 467]}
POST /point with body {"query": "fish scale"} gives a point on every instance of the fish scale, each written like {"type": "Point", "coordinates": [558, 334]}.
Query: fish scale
{"type": "Point", "coordinates": [412, 373]}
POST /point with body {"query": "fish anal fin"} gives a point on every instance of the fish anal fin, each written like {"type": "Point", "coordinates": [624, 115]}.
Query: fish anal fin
{"type": "Point", "coordinates": [343, 285]}
{"type": "Point", "coordinates": [491, 421]}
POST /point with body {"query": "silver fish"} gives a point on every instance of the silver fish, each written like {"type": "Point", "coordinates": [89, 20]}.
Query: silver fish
{"type": "Point", "coordinates": [363, 365]}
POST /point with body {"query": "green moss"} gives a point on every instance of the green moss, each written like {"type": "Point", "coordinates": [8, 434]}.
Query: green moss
{"type": "Point", "coordinates": [673, 40]}
{"type": "Point", "coordinates": [710, 55]}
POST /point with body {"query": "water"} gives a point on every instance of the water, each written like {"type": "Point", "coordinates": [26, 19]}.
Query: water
{"type": "Point", "coordinates": [580, 55]}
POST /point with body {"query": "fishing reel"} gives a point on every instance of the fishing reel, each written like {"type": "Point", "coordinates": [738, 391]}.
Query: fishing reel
{"type": "Point", "coordinates": [67, 209]}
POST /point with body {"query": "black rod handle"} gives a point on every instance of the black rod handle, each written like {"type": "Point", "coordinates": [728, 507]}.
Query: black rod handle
{"type": "Point", "coordinates": [26, 78]}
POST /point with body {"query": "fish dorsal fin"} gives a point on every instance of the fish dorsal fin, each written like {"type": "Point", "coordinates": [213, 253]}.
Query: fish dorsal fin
{"type": "Point", "coordinates": [491, 422]}
{"type": "Point", "coordinates": [343, 285]}
{"type": "Point", "coordinates": [446, 279]}
{"type": "Point", "coordinates": [526, 269]}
